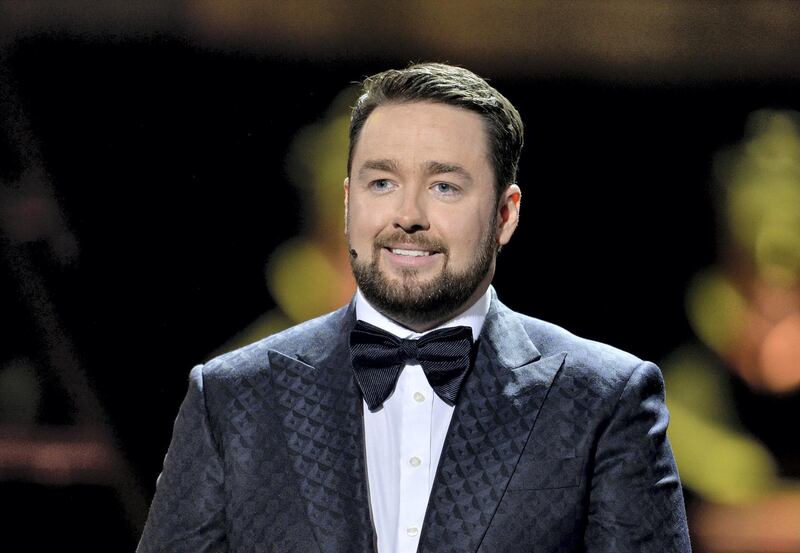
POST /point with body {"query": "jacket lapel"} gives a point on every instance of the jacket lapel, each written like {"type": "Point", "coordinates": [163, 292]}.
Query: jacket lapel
{"type": "Point", "coordinates": [320, 410]}
{"type": "Point", "coordinates": [493, 418]}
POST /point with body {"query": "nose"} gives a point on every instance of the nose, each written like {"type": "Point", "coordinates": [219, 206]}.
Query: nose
{"type": "Point", "coordinates": [411, 214]}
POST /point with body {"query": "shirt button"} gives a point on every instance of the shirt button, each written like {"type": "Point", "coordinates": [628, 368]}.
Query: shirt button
{"type": "Point", "coordinates": [412, 531]}
{"type": "Point", "coordinates": [415, 461]}
{"type": "Point", "coordinates": [418, 397]}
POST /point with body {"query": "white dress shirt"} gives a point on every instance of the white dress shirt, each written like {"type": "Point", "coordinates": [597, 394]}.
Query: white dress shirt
{"type": "Point", "coordinates": [404, 438]}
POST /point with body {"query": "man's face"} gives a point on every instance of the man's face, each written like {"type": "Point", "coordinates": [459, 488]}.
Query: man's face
{"type": "Point", "coordinates": [422, 213]}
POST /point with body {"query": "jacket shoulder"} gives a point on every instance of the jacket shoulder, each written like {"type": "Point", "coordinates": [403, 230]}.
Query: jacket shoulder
{"type": "Point", "coordinates": [604, 366]}
{"type": "Point", "coordinates": [291, 342]}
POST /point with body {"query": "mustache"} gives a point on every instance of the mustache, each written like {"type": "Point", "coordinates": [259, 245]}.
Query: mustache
{"type": "Point", "coordinates": [419, 240]}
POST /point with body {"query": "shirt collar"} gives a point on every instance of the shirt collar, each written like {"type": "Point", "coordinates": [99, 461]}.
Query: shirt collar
{"type": "Point", "coordinates": [472, 317]}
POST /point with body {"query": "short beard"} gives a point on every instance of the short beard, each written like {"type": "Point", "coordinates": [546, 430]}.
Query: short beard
{"type": "Point", "coordinates": [416, 304]}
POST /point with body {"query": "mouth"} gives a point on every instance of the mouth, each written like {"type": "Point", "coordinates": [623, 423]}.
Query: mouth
{"type": "Point", "coordinates": [410, 253]}
{"type": "Point", "coordinates": [411, 256]}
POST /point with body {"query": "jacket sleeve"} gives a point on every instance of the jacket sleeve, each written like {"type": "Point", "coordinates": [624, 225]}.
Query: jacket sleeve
{"type": "Point", "coordinates": [636, 502]}
{"type": "Point", "coordinates": [187, 513]}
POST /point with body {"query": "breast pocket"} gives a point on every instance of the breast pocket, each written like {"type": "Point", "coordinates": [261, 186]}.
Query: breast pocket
{"type": "Point", "coordinates": [542, 473]}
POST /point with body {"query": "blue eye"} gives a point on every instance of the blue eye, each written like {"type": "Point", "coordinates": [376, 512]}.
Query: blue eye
{"type": "Point", "coordinates": [380, 185]}
{"type": "Point", "coordinates": [445, 188]}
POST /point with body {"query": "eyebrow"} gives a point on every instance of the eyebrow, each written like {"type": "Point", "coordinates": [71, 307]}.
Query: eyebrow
{"type": "Point", "coordinates": [389, 165]}
{"type": "Point", "coordinates": [439, 168]}
{"type": "Point", "coordinates": [431, 167]}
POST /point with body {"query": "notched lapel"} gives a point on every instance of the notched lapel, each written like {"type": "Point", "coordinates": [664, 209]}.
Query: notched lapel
{"type": "Point", "coordinates": [320, 411]}
{"type": "Point", "coordinates": [529, 384]}
{"type": "Point", "coordinates": [493, 419]}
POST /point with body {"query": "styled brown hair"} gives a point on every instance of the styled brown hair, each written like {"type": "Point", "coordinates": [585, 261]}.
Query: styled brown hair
{"type": "Point", "coordinates": [454, 86]}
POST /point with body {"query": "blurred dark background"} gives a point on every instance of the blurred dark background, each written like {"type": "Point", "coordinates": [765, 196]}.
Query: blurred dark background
{"type": "Point", "coordinates": [146, 180]}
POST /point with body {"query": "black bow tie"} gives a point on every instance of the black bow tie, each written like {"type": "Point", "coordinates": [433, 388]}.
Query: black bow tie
{"type": "Point", "coordinates": [378, 357]}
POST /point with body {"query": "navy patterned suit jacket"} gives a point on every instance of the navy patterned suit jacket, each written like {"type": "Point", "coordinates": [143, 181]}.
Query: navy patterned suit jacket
{"type": "Point", "coordinates": [557, 444]}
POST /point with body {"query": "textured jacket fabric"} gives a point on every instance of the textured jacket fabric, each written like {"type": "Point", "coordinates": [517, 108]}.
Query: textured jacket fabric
{"type": "Point", "coordinates": [557, 444]}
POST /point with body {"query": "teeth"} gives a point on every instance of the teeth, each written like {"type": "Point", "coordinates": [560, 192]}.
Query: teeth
{"type": "Point", "coordinates": [411, 253]}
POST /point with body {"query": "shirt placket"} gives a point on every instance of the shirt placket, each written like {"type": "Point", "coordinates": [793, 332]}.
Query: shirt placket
{"type": "Point", "coordinates": [415, 456]}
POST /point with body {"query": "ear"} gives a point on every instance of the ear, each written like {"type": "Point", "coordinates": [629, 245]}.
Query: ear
{"type": "Point", "coordinates": [346, 185]}
{"type": "Point", "coordinates": [508, 214]}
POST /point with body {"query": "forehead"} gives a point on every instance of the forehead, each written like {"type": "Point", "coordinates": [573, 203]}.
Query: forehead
{"type": "Point", "coordinates": [412, 131]}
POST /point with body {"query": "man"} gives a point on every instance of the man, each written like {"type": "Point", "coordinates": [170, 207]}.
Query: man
{"type": "Point", "coordinates": [424, 416]}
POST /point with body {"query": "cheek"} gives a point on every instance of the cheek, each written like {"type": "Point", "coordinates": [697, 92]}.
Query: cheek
{"type": "Point", "coordinates": [365, 221]}
{"type": "Point", "coordinates": [465, 233]}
